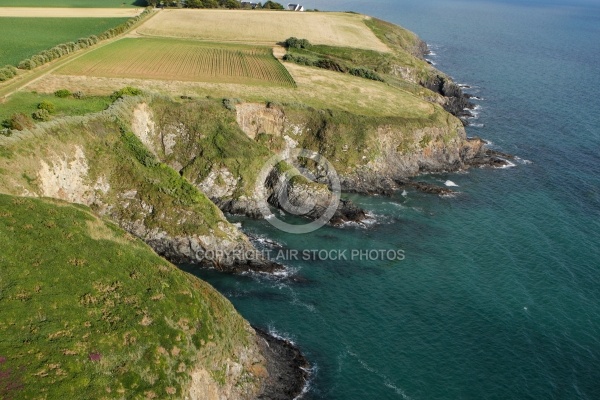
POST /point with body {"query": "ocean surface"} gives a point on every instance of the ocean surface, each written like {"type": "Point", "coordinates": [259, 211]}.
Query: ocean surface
{"type": "Point", "coordinates": [498, 295]}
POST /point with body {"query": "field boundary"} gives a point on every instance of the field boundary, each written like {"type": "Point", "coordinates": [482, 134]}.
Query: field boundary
{"type": "Point", "coordinates": [53, 12]}
{"type": "Point", "coordinates": [27, 77]}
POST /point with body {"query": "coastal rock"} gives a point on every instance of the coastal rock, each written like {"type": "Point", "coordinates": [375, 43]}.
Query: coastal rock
{"type": "Point", "coordinates": [455, 101]}
{"type": "Point", "coordinates": [288, 369]}
{"type": "Point", "coordinates": [309, 199]}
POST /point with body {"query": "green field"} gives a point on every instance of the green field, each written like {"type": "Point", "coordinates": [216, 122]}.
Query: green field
{"type": "Point", "coordinates": [27, 102]}
{"type": "Point", "coordinates": [73, 3]}
{"type": "Point", "coordinates": [182, 60]}
{"type": "Point", "coordinates": [23, 37]}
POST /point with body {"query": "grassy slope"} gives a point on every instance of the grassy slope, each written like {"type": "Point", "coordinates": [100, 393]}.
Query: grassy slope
{"type": "Point", "coordinates": [121, 160]}
{"type": "Point", "coordinates": [73, 3]}
{"type": "Point", "coordinates": [73, 286]}
{"type": "Point", "coordinates": [37, 34]}
{"type": "Point", "coordinates": [407, 47]}
{"type": "Point", "coordinates": [211, 62]}
{"type": "Point", "coordinates": [27, 102]}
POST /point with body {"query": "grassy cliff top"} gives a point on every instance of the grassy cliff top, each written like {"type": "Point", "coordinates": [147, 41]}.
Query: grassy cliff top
{"type": "Point", "coordinates": [87, 311]}
{"type": "Point", "coordinates": [365, 46]}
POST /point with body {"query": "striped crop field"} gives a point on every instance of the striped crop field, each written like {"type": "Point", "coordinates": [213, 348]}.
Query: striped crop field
{"type": "Point", "coordinates": [182, 60]}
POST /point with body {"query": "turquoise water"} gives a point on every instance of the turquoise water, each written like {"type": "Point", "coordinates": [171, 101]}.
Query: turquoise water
{"type": "Point", "coordinates": [498, 296]}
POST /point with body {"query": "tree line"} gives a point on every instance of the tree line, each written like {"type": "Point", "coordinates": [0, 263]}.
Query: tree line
{"type": "Point", "coordinates": [229, 4]}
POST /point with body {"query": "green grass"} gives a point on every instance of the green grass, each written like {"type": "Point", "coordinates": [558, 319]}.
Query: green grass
{"type": "Point", "coordinates": [87, 311]}
{"type": "Point", "coordinates": [73, 3]}
{"type": "Point", "coordinates": [119, 158]}
{"type": "Point", "coordinates": [23, 37]}
{"type": "Point", "coordinates": [213, 141]}
{"type": "Point", "coordinates": [27, 102]}
{"type": "Point", "coordinates": [182, 60]}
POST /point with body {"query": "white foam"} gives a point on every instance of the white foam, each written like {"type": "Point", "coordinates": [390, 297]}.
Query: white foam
{"type": "Point", "coordinates": [476, 125]}
{"type": "Point", "coordinates": [386, 381]}
{"type": "Point", "coordinates": [523, 161]}
{"type": "Point", "coordinates": [397, 205]}
{"type": "Point", "coordinates": [396, 389]}
{"type": "Point", "coordinates": [280, 336]}
{"type": "Point", "coordinates": [449, 195]}
{"type": "Point", "coordinates": [404, 193]}
{"type": "Point", "coordinates": [508, 165]}
{"type": "Point", "coordinates": [365, 223]}
{"type": "Point", "coordinates": [449, 183]}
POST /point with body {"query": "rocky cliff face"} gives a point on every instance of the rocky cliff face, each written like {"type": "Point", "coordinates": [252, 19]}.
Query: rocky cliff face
{"type": "Point", "coordinates": [377, 160]}
{"type": "Point", "coordinates": [91, 161]}
{"type": "Point", "coordinates": [158, 167]}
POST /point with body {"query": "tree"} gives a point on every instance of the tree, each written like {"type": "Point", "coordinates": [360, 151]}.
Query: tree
{"type": "Point", "coordinates": [271, 5]}
{"type": "Point", "coordinates": [231, 4]}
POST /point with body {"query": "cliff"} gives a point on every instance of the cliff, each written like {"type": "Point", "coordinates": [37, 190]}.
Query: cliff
{"type": "Point", "coordinates": [89, 311]}
{"type": "Point", "coordinates": [97, 161]}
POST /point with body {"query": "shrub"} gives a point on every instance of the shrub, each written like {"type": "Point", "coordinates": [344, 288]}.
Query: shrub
{"type": "Point", "coordinates": [7, 72]}
{"type": "Point", "coordinates": [365, 73]}
{"type": "Point", "coordinates": [126, 91]}
{"type": "Point", "coordinates": [295, 43]}
{"type": "Point", "coordinates": [18, 121]}
{"type": "Point", "coordinates": [330, 65]}
{"type": "Point", "coordinates": [41, 115]}
{"type": "Point", "coordinates": [39, 59]}
{"type": "Point", "coordinates": [27, 64]}
{"type": "Point", "coordinates": [62, 93]}
{"type": "Point", "coordinates": [230, 103]}
{"type": "Point", "coordinates": [46, 105]}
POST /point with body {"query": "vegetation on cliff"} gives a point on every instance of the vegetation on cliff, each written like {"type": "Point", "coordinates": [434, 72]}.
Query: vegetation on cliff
{"type": "Point", "coordinates": [89, 311]}
{"type": "Point", "coordinates": [97, 160]}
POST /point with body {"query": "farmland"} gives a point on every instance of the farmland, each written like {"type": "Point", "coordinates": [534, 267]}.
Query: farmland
{"type": "Point", "coordinates": [73, 3]}
{"type": "Point", "coordinates": [317, 88]}
{"type": "Point", "coordinates": [37, 34]}
{"type": "Point", "coordinates": [30, 12]}
{"type": "Point", "coordinates": [265, 27]}
{"type": "Point", "coordinates": [182, 60]}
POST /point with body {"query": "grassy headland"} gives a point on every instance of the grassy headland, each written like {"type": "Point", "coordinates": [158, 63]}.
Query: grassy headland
{"type": "Point", "coordinates": [88, 311]}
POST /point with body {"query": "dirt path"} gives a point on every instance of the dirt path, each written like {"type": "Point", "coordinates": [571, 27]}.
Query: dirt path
{"type": "Point", "coordinates": [69, 12]}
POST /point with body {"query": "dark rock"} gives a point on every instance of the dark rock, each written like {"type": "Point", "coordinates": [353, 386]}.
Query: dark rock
{"type": "Point", "coordinates": [426, 187]}
{"type": "Point", "coordinates": [491, 158]}
{"type": "Point", "coordinates": [457, 103]}
{"type": "Point", "coordinates": [288, 369]}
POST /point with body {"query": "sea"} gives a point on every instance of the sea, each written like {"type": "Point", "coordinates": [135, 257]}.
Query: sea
{"type": "Point", "coordinates": [493, 293]}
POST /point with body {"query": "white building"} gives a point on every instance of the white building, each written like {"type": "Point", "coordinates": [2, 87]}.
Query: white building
{"type": "Point", "coordinates": [295, 7]}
